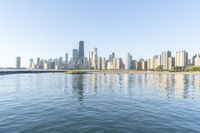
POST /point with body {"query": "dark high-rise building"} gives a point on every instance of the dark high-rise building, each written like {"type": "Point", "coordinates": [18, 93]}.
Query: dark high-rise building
{"type": "Point", "coordinates": [18, 62]}
{"type": "Point", "coordinates": [81, 49]}
{"type": "Point", "coordinates": [75, 55]}
{"type": "Point", "coordinates": [113, 55]}
{"type": "Point", "coordinates": [66, 58]}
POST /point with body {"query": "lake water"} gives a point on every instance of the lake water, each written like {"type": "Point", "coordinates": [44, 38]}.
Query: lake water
{"type": "Point", "coordinates": [98, 103]}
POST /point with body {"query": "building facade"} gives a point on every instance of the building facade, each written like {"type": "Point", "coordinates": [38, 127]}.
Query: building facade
{"type": "Point", "coordinates": [18, 62]}
{"type": "Point", "coordinates": [164, 59]}
{"type": "Point", "coordinates": [128, 61]}
{"type": "Point", "coordinates": [171, 61]}
{"type": "Point", "coordinates": [81, 50]}
{"type": "Point", "coordinates": [181, 59]}
{"type": "Point", "coordinates": [197, 60]}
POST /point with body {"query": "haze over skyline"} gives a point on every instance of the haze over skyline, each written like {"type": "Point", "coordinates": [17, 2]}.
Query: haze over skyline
{"type": "Point", "coordinates": [50, 28]}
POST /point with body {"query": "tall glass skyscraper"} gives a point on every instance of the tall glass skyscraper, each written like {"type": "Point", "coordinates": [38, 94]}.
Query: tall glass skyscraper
{"type": "Point", "coordinates": [81, 49]}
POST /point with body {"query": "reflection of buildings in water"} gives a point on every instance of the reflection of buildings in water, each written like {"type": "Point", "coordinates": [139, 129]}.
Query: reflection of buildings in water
{"type": "Point", "coordinates": [181, 85]}
{"type": "Point", "coordinates": [142, 80]}
{"type": "Point", "coordinates": [128, 86]}
{"type": "Point", "coordinates": [17, 82]}
{"type": "Point", "coordinates": [139, 80]}
{"type": "Point", "coordinates": [59, 82]}
{"type": "Point", "coordinates": [105, 81]}
{"type": "Point", "coordinates": [197, 82]}
{"type": "Point", "coordinates": [78, 87]}
{"type": "Point", "coordinates": [31, 81]}
{"type": "Point", "coordinates": [66, 80]}
{"type": "Point", "coordinates": [187, 85]}
{"type": "Point", "coordinates": [92, 84]}
{"type": "Point", "coordinates": [112, 81]}
{"type": "Point", "coordinates": [153, 80]}
{"type": "Point", "coordinates": [145, 80]}
{"type": "Point", "coordinates": [167, 84]}
{"type": "Point", "coordinates": [196, 85]}
{"type": "Point", "coordinates": [163, 83]}
{"type": "Point", "coordinates": [115, 82]}
{"type": "Point", "coordinates": [172, 83]}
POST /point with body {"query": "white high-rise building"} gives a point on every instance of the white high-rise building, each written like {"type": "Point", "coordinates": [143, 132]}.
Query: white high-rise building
{"type": "Point", "coordinates": [197, 60]}
{"type": "Point", "coordinates": [94, 57]}
{"type": "Point", "coordinates": [156, 61]}
{"type": "Point", "coordinates": [144, 64]}
{"type": "Point", "coordinates": [103, 63]}
{"type": "Point", "coordinates": [47, 65]}
{"type": "Point", "coordinates": [150, 64]}
{"type": "Point", "coordinates": [99, 63]}
{"type": "Point", "coordinates": [164, 59]}
{"type": "Point", "coordinates": [128, 61]}
{"type": "Point", "coordinates": [117, 63]}
{"type": "Point", "coordinates": [109, 65]}
{"type": "Point", "coordinates": [31, 61]}
{"type": "Point", "coordinates": [181, 59]}
{"type": "Point", "coordinates": [171, 61]}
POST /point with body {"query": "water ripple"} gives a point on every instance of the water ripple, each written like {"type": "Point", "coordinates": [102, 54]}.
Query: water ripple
{"type": "Point", "coordinates": [98, 103]}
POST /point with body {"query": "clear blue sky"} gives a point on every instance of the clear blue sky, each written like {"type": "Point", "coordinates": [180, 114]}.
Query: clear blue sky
{"type": "Point", "coordinates": [50, 28]}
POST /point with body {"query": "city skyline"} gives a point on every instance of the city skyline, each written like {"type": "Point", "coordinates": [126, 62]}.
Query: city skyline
{"type": "Point", "coordinates": [78, 55]}
{"type": "Point", "coordinates": [142, 28]}
{"type": "Point", "coordinates": [160, 61]}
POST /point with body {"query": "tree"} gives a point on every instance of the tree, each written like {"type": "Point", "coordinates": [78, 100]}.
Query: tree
{"type": "Point", "coordinates": [159, 68]}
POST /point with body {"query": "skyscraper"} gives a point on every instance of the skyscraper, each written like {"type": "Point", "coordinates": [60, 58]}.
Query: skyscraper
{"type": "Point", "coordinates": [150, 64]}
{"type": "Point", "coordinates": [164, 59]}
{"type": "Point", "coordinates": [18, 62]}
{"type": "Point", "coordinates": [94, 58]}
{"type": "Point", "coordinates": [193, 59]}
{"type": "Point", "coordinates": [81, 49]}
{"type": "Point", "coordinates": [103, 63]}
{"type": "Point", "coordinates": [171, 61]}
{"type": "Point", "coordinates": [144, 64]}
{"type": "Point", "coordinates": [117, 63]}
{"type": "Point", "coordinates": [31, 63]}
{"type": "Point", "coordinates": [66, 58]}
{"type": "Point", "coordinates": [99, 63]}
{"type": "Point", "coordinates": [75, 55]}
{"type": "Point", "coordinates": [181, 59]}
{"type": "Point", "coordinates": [113, 55]}
{"type": "Point", "coordinates": [128, 61]}
{"type": "Point", "coordinates": [156, 61]}
{"type": "Point", "coordinates": [197, 60]}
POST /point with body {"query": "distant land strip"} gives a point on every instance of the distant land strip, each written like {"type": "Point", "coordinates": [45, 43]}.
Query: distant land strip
{"type": "Point", "coordinates": [24, 71]}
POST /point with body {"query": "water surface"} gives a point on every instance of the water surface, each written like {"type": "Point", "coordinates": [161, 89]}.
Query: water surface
{"type": "Point", "coordinates": [111, 103]}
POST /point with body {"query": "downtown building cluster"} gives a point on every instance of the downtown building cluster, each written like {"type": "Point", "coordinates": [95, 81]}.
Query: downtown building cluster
{"type": "Point", "coordinates": [164, 61]}
{"type": "Point", "coordinates": [78, 61]}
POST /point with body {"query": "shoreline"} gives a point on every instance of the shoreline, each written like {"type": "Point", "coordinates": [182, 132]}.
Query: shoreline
{"type": "Point", "coordinates": [141, 72]}
{"type": "Point", "coordinates": [28, 71]}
